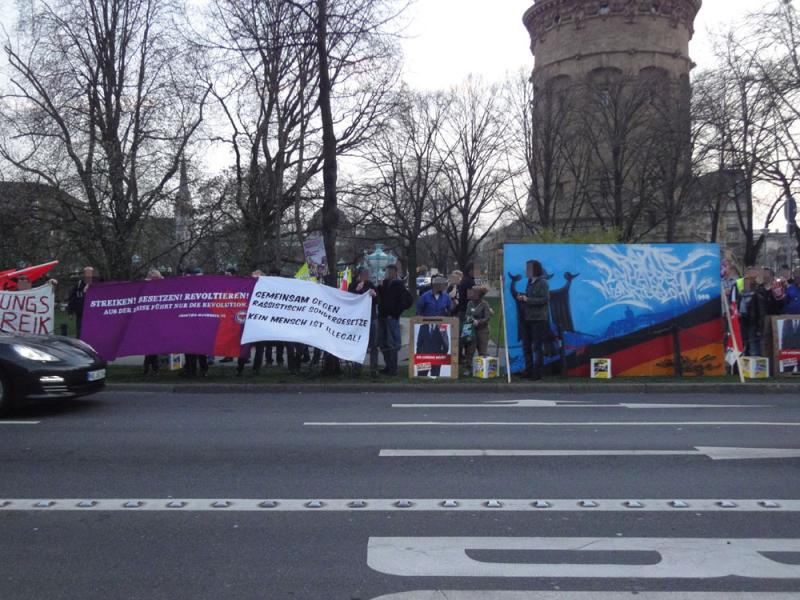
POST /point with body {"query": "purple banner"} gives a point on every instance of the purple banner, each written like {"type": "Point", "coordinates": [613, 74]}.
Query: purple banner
{"type": "Point", "coordinates": [191, 315]}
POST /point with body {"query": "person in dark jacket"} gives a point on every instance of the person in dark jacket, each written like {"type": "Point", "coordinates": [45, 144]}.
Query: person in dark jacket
{"type": "Point", "coordinates": [393, 299]}
{"type": "Point", "coordinates": [467, 283]}
{"type": "Point", "coordinates": [535, 305]}
{"type": "Point", "coordinates": [435, 302]}
{"type": "Point", "coordinates": [363, 285]}
{"type": "Point", "coordinates": [76, 298]}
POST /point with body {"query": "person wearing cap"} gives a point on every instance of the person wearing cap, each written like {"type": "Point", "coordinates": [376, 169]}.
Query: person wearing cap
{"type": "Point", "coordinates": [435, 303]}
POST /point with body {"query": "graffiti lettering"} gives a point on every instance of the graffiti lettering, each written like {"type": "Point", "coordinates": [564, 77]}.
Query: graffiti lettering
{"type": "Point", "coordinates": [650, 277]}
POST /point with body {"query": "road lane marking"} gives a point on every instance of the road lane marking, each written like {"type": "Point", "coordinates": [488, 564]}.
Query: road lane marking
{"type": "Point", "coordinates": [548, 424]}
{"type": "Point", "coordinates": [572, 404]}
{"type": "Point", "coordinates": [394, 504]}
{"type": "Point", "coordinates": [568, 595]}
{"type": "Point", "coordinates": [712, 452]}
{"type": "Point", "coordinates": [680, 558]}
{"type": "Point", "coordinates": [19, 422]}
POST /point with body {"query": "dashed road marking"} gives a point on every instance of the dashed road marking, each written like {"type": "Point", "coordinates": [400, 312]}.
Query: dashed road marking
{"type": "Point", "coordinates": [19, 422]}
{"type": "Point", "coordinates": [675, 558]}
{"type": "Point", "coordinates": [571, 404]}
{"type": "Point", "coordinates": [394, 504]}
{"type": "Point", "coordinates": [714, 453]}
{"type": "Point", "coordinates": [549, 424]}
{"type": "Point", "coordinates": [568, 595]}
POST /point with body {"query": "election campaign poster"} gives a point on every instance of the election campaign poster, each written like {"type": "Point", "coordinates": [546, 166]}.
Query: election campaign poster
{"type": "Point", "coordinates": [188, 315]}
{"type": "Point", "coordinates": [786, 345]}
{"type": "Point", "coordinates": [316, 259]}
{"type": "Point", "coordinates": [434, 347]}
{"type": "Point", "coordinates": [28, 312]}
{"type": "Point", "coordinates": [291, 310]}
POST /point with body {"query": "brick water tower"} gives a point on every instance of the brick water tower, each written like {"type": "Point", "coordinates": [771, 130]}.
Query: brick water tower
{"type": "Point", "coordinates": [594, 59]}
{"type": "Point", "coordinates": [573, 38]}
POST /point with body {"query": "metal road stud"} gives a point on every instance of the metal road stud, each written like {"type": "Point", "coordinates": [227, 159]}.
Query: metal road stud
{"type": "Point", "coordinates": [404, 504]}
{"type": "Point", "coordinates": [176, 504]}
{"type": "Point", "coordinates": [449, 504]}
{"type": "Point", "coordinates": [769, 504]}
{"type": "Point", "coordinates": [269, 504]}
{"type": "Point", "coordinates": [87, 503]}
{"type": "Point", "coordinates": [633, 504]}
{"type": "Point", "coordinates": [541, 504]}
{"type": "Point", "coordinates": [221, 504]}
{"type": "Point", "coordinates": [315, 504]}
{"type": "Point", "coordinates": [357, 504]}
{"type": "Point", "coordinates": [726, 504]}
{"type": "Point", "coordinates": [679, 504]}
{"type": "Point", "coordinates": [44, 503]}
{"type": "Point", "coordinates": [493, 504]}
{"type": "Point", "coordinates": [588, 504]}
{"type": "Point", "coordinates": [133, 504]}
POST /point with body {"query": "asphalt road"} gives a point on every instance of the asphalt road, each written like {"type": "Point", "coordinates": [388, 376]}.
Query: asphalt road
{"type": "Point", "coordinates": [144, 495]}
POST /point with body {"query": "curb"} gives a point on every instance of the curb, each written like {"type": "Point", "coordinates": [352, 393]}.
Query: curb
{"type": "Point", "coordinates": [460, 388]}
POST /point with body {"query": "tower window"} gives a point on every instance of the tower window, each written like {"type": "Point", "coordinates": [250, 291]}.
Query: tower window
{"type": "Point", "coordinates": [604, 8]}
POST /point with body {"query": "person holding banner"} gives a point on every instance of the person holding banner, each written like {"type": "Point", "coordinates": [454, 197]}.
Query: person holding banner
{"type": "Point", "coordinates": [363, 285]}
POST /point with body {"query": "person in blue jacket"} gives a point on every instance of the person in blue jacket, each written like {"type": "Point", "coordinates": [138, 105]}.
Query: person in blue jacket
{"type": "Point", "coordinates": [791, 304]}
{"type": "Point", "coordinates": [435, 302]}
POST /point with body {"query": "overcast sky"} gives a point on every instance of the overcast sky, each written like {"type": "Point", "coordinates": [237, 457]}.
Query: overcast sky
{"type": "Point", "coordinates": [449, 39]}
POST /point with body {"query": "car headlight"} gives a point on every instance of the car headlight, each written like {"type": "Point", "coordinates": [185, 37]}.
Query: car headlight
{"type": "Point", "coordinates": [34, 354]}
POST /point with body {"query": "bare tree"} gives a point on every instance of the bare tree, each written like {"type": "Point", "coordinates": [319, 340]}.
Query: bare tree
{"type": "Point", "coordinates": [265, 86]}
{"type": "Point", "coordinates": [548, 151]}
{"type": "Point", "coordinates": [742, 117]}
{"type": "Point", "coordinates": [406, 173]}
{"type": "Point", "coordinates": [476, 168]}
{"type": "Point", "coordinates": [104, 100]}
{"type": "Point", "coordinates": [616, 123]}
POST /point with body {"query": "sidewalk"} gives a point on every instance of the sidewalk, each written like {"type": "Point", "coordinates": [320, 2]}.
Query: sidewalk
{"type": "Point", "coordinates": [364, 384]}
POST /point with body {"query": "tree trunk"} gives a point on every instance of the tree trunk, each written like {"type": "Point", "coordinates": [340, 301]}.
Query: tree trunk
{"type": "Point", "coordinates": [329, 166]}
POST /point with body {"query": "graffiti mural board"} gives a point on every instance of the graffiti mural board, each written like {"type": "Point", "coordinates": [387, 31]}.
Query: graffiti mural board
{"type": "Point", "coordinates": [626, 302]}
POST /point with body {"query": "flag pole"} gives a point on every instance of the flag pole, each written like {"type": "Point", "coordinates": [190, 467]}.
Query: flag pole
{"type": "Point", "coordinates": [732, 333]}
{"type": "Point", "coordinates": [503, 326]}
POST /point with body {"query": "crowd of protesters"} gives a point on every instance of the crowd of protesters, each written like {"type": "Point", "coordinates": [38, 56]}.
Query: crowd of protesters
{"type": "Point", "coordinates": [759, 294]}
{"type": "Point", "coordinates": [391, 297]}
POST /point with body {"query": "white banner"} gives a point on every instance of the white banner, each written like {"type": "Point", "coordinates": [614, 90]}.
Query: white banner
{"type": "Point", "coordinates": [291, 310]}
{"type": "Point", "coordinates": [28, 312]}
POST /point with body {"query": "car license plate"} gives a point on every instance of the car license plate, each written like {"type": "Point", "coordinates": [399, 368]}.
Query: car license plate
{"type": "Point", "coordinates": [96, 375]}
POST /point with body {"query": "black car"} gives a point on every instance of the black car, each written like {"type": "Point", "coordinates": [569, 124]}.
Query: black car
{"type": "Point", "coordinates": [38, 367]}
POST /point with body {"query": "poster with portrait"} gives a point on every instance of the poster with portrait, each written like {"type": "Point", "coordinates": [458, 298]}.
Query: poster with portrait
{"type": "Point", "coordinates": [433, 348]}
{"type": "Point", "coordinates": [624, 302]}
{"type": "Point", "coordinates": [316, 259]}
{"type": "Point", "coordinates": [786, 345]}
